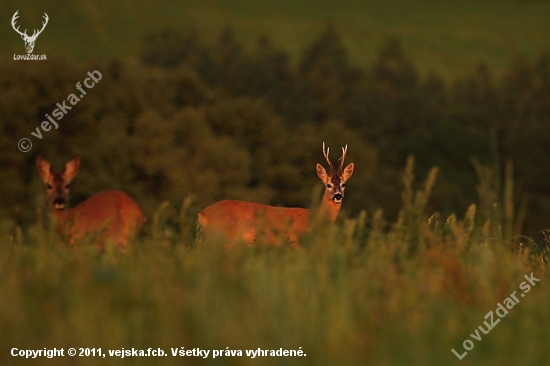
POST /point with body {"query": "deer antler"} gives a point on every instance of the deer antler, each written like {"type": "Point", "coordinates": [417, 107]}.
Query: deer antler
{"type": "Point", "coordinates": [24, 34]}
{"type": "Point", "coordinates": [328, 160]}
{"type": "Point", "coordinates": [44, 23]}
{"type": "Point", "coordinates": [13, 19]}
{"type": "Point", "coordinates": [344, 151]}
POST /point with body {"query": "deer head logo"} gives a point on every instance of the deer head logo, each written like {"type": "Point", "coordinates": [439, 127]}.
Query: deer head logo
{"type": "Point", "coordinates": [29, 40]}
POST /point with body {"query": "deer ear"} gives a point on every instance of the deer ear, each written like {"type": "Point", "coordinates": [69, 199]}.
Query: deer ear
{"type": "Point", "coordinates": [44, 168]}
{"type": "Point", "coordinates": [322, 173]}
{"type": "Point", "coordinates": [348, 171]}
{"type": "Point", "coordinates": [71, 168]}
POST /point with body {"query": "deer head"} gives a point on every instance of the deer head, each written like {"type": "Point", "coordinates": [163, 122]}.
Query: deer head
{"type": "Point", "coordinates": [29, 40]}
{"type": "Point", "coordinates": [57, 183]}
{"type": "Point", "coordinates": [335, 183]}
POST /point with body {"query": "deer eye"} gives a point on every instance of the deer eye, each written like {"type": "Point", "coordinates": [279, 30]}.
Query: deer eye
{"type": "Point", "coordinates": [67, 186]}
{"type": "Point", "coordinates": [50, 186]}
{"type": "Point", "coordinates": [329, 185]}
{"type": "Point", "coordinates": [343, 185]}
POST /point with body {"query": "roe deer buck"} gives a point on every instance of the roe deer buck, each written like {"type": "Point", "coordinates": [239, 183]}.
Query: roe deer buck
{"type": "Point", "coordinates": [113, 215]}
{"type": "Point", "coordinates": [246, 221]}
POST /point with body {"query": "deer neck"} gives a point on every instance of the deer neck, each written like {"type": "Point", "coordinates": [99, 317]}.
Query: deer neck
{"type": "Point", "coordinates": [328, 210]}
{"type": "Point", "coordinates": [60, 216]}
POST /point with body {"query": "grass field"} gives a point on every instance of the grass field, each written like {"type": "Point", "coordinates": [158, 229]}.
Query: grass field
{"type": "Point", "coordinates": [448, 38]}
{"type": "Point", "coordinates": [362, 292]}
{"type": "Point", "coordinates": [354, 294]}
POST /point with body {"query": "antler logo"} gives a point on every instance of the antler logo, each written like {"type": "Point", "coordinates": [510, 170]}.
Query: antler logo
{"type": "Point", "coordinates": [29, 41]}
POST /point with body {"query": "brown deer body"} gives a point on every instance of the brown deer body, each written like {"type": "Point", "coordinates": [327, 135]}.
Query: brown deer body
{"type": "Point", "coordinates": [111, 215]}
{"type": "Point", "coordinates": [247, 221]}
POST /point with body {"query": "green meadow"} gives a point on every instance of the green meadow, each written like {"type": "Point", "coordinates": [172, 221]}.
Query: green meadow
{"type": "Point", "coordinates": [445, 215]}
{"type": "Point", "coordinates": [447, 38]}
{"type": "Point", "coordinates": [354, 294]}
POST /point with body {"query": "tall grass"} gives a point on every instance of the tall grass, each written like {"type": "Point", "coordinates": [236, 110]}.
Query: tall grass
{"type": "Point", "coordinates": [362, 292]}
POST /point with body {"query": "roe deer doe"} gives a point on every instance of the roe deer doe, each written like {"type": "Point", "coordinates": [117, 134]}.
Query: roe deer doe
{"type": "Point", "coordinates": [112, 215]}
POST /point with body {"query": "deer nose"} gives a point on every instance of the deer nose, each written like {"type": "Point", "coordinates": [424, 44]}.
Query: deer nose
{"type": "Point", "coordinates": [337, 197]}
{"type": "Point", "coordinates": [59, 203]}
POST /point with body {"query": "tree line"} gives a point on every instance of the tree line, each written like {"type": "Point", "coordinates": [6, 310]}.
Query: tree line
{"type": "Point", "coordinates": [211, 120]}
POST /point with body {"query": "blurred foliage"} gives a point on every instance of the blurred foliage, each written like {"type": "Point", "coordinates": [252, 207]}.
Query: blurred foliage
{"type": "Point", "coordinates": [354, 292]}
{"type": "Point", "coordinates": [446, 37]}
{"type": "Point", "coordinates": [217, 122]}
